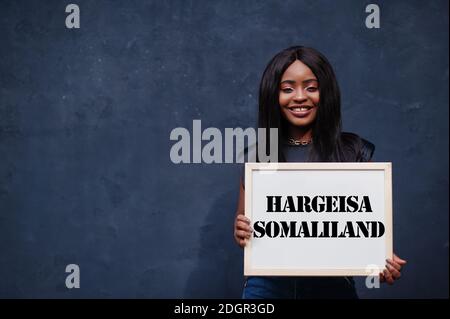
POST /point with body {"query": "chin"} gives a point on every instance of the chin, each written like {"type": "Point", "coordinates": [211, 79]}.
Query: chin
{"type": "Point", "coordinates": [301, 122]}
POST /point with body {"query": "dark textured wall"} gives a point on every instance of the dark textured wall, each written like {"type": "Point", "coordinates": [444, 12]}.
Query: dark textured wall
{"type": "Point", "coordinates": [85, 118]}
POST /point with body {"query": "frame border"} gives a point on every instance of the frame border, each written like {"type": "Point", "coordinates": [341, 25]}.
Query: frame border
{"type": "Point", "coordinates": [384, 166]}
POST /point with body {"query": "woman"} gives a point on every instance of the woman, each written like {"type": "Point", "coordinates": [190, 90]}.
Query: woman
{"type": "Point", "coordinates": [300, 96]}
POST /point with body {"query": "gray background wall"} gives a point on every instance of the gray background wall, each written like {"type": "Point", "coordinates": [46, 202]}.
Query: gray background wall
{"type": "Point", "coordinates": [85, 118]}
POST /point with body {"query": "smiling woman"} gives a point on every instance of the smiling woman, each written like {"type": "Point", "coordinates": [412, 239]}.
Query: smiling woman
{"type": "Point", "coordinates": [299, 95]}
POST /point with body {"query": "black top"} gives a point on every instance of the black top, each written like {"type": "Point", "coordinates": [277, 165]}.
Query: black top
{"type": "Point", "coordinates": [299, 153]}
{"type": "Point", "coordinates": [292, 153]}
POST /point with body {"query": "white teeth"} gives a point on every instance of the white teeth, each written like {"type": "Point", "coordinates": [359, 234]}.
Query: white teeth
{"type": "Point", "coordinates": [298, 109]}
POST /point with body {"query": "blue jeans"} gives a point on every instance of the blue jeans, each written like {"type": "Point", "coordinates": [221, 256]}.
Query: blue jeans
{"type": "Point", "coordinates": [299, 288]}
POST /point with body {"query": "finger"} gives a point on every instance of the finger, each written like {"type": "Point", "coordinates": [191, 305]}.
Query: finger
{"type": "Point", "coordinates": [242, 218]}
{"type": "Point", "coordinates": [394, 264]}
{"type": "Point", "coordinates": [399, 260]}
{"type": "Point", "coordinates": [388, 277]}
{"type": "Point", "coordinates": [394, 272]}
{"type": "Point", "coordinates": [242, 243]}
{"type": "Point", "coordinates": [243, 226]}
{"type": "Point", "coordinates": [242, 234]}
{"type": "Point", "coordinates": [382, 278]}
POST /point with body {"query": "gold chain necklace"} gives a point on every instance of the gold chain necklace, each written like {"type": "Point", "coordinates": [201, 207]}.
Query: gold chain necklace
{"type": "Point", "coordinates": [295, 142]}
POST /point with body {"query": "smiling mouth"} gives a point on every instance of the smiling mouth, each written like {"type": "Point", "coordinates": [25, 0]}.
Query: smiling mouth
{"type": "Point", "coordinates": [301, 111]}
{"type": "Point", "coordinates": [300, 108]}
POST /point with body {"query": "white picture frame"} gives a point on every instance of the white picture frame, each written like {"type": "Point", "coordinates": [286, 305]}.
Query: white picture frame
{"type": "Point", "coordinates": [272, 253]}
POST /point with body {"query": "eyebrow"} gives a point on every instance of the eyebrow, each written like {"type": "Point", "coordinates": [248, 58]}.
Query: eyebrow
{"type": "Point", "coordinates": [304, 82]}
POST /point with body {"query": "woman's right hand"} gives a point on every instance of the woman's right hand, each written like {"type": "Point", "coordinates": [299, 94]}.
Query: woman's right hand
{"type": "Point", "coordinates": [242, 229]}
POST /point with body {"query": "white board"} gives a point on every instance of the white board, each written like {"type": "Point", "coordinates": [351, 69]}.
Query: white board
{"type": "Point", "coordinates": [270, 253]}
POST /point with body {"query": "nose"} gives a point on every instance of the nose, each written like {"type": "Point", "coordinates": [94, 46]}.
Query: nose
{"type": "Point", "coordinates": [299, 96]}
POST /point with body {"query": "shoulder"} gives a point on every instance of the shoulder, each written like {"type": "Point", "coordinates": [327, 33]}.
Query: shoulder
{"type": "Point", "coordinates": [361, 148]}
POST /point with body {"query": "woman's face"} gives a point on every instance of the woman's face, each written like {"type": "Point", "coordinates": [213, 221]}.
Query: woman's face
{"type": "Point", "coordinates": [299, 95]}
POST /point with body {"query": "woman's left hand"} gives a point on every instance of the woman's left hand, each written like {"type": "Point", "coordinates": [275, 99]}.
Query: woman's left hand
{"type": "Point", "coordinates": [393, 270]}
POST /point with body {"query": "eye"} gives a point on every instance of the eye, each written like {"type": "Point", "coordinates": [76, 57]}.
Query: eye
{"type": "Point", "coordinates": [287, 90]}
{"type": "Point", "coordinates": [311, 89]}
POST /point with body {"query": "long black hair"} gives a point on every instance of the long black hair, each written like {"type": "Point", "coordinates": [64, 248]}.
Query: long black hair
{"type": "Point", "coordinates": [329, 144]}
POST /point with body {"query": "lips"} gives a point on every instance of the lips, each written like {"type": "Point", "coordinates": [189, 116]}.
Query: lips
{"type": "Point", "coordinates": [300, 111]}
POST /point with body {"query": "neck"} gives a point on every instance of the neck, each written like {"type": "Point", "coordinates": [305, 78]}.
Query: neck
{"type": "Point", "coordinates": [300, 133]}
